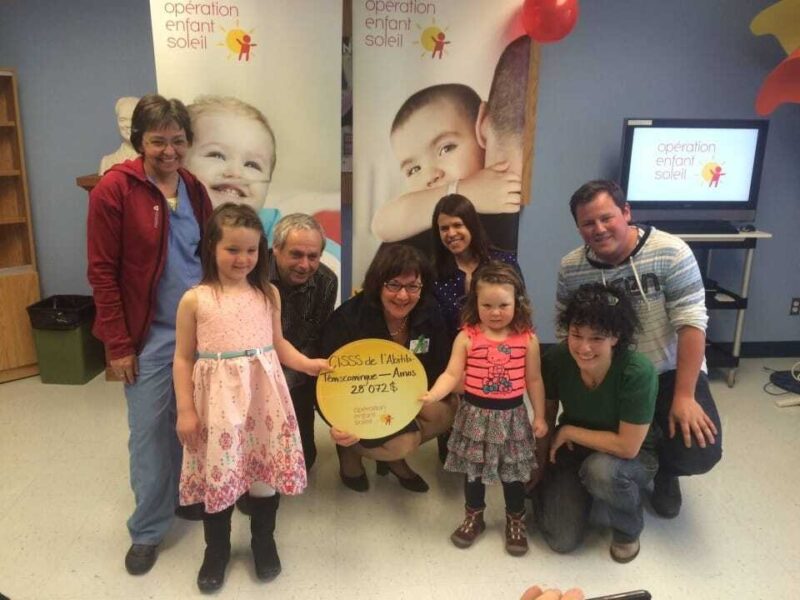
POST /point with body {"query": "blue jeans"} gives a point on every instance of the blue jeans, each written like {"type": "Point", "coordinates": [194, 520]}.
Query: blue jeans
{"type": "Point", "coordinates": [155, 452]}
{"type": "Point", "coordinates": [563, 500]}
{"type": "Point", "coordinates": [673, 455]}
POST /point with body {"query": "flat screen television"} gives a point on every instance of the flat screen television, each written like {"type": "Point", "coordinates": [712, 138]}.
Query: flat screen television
{"type": "Point", "coordinates": [692, 169]}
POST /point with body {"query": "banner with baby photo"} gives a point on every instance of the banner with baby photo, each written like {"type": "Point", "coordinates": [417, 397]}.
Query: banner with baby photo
{"type": "Point", "coordinates": [262, 79]}
{"type": "Point", "coordinates": [439, 105]}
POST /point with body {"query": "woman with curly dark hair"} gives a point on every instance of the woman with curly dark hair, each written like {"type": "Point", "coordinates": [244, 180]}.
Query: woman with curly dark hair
{"type": "Point", "coordinates": [603, 449]}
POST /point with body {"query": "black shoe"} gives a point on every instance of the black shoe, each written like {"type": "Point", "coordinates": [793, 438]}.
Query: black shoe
{"type": "Point", "coordinates": [624, 552]}
{"type": "Point", "coordinates": [140, 558]}
{"type": "Point", "coordinates": [666, 499]}
{"type": "Point", "coordinates": [412, 484]}
{"type": "Point", "coordinates": [359, 483]}
{"type": "Point", "coordinates": [266, 559]}
{"type": "Point", "coordinates": [212, 571]}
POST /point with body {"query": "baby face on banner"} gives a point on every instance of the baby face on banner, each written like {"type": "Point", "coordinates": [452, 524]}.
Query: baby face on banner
{"type": "Point", "coordinates": [233, 155]}
{"type": "Point", "coordinates": [436, 145]}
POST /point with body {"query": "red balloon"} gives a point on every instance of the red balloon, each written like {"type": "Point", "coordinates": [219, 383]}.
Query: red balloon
{"type": "Point", "coordinates": [781, 85]}
{"type": "Point", "coordinates": [549, 20]}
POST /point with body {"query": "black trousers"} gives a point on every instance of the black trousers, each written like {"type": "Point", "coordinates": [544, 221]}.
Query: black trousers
{"type": "Point", "coordinates": [304, 398]}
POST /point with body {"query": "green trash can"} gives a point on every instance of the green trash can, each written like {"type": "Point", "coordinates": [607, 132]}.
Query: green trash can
{"type": "Point", "coordinates": [67, 351]}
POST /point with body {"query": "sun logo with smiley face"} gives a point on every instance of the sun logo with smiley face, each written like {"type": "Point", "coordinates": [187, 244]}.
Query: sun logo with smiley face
{"type": "Point", "coordinates": [239, 43]}
{"type": "Point", "coordinates": [433, 40]}
{"type": "Point", "coordinates": [712, 173]}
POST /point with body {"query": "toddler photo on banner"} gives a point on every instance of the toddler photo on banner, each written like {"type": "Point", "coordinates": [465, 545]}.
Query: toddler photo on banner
{"type": "Point", "coordinates": [262, 81]}
{"type": "Point", "coordinates": [439, 107]}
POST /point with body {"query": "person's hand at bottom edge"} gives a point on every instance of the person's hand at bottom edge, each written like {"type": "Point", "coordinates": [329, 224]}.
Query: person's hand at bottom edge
{"type": "Point", "coordinates": [536, 593]}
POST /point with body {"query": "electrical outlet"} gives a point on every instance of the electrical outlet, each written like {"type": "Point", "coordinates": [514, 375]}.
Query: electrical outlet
{"type": "Point", "coordinates": [794, 309]}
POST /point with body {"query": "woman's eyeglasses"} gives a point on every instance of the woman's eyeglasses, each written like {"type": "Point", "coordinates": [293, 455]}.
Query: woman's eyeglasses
{"type": "Point", "coordinates": [593, 296]}
{"type": "Point", "coordinates": [159, 143]}
{"type": "Point", "coordinates": [395, 287]}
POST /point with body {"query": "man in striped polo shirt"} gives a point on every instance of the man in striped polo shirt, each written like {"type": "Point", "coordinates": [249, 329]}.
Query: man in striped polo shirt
{"type": "Point", "coordinates": [660, 273]}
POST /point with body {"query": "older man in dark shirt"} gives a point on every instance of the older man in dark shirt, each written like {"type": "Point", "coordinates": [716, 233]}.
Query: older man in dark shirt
{"type": "Point", "coordinates": [308, 293]}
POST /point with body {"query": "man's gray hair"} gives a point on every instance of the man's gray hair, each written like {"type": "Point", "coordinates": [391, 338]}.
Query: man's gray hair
{"type": "Point", "coordinates": [293, 222]}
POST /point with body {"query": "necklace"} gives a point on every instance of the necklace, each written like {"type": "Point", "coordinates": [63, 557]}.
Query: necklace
{"type": "Point", "coordinates": [590, 383]}
{"type": "Point", "coordinates": [593, 380]}
{"type": "Point", "coordinates": [400, 329]}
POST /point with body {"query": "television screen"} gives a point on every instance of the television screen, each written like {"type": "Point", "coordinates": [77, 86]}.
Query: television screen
{"type": "Point", "coordinates": [681, 169]}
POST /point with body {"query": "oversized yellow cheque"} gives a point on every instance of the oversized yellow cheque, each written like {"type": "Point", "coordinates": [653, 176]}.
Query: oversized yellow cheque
{"type": "Point", "coordinates": [374, 388]}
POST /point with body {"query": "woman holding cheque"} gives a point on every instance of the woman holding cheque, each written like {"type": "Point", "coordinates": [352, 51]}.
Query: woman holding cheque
{"type": "Point", "coordinates": [396, 305]}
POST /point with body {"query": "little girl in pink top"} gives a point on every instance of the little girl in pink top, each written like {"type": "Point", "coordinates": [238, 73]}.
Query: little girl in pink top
{"type": "Point", "coordinates": [496, 354]}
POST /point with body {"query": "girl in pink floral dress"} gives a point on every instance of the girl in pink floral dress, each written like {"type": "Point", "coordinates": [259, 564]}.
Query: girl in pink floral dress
{"type": "Point", "coordinates": [235, 415]}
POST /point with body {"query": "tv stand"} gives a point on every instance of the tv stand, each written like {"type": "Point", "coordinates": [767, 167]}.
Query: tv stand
{"type": "Point", "coordinates": [680, 227]}
{"type": "Point", "coordinates": [718, 355]}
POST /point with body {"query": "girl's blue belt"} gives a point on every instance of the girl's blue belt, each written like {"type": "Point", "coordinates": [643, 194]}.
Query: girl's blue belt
{"type": "Point", "coordinates": [234, 354]}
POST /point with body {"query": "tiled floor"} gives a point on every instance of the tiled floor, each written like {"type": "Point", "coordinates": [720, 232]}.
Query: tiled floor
{"type": "Point", "coordinates": [64, 499]}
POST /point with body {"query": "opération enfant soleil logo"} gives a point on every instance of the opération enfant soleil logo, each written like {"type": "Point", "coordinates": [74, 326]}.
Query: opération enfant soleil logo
{"type": "Point", "coordinates": [675, 160]}
{"type": "Point", "coordinates": [196, 26]}
{"type": "Point", "coordinates": [389, 25]}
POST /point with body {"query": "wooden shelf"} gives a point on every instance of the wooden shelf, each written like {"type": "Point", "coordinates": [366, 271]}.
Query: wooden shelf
{"type": "Point", "coordinates": [16, 270]}
{"type": "Point", "coordinates": [19, 280]}
{"type": "Point", "coordinates": [19, 373]}
{"type": "Point", "coordinates": [88, 182]}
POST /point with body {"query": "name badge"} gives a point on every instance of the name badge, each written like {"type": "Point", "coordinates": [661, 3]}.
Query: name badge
{"type": "Point", "coordinates": [421, 345]}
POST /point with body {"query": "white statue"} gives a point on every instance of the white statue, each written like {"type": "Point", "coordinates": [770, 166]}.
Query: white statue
{"type": "Point", "coordinates": [124, 109]}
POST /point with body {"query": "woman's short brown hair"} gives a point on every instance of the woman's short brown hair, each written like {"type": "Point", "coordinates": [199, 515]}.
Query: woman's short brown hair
{"type": "Point", "coordinates": [154, 112]}
{"type": "Point", "coordinates": [391, 261]}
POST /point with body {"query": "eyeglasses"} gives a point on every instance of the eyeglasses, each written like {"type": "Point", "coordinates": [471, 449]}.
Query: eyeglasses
{"type": "Point", "coordinates": [589, 296]}
{"type": "Point", "coordinates": [412, 288]}
{"type": "Point", "coordinates": [161, 143]}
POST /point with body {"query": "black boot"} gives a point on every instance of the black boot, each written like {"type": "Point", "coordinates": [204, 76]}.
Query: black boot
{"type": "Point", "coordinates": [243, 504]}
{"type": "Point", "coordinates": [262, 527]}
{"type": "Point", "coordinates": [217, 530]}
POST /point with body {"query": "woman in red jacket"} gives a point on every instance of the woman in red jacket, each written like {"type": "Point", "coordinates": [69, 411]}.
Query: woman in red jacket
{"type": "Point", "coordinates": [146, 220]}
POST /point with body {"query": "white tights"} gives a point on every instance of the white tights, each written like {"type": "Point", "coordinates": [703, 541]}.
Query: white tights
{"type": "Point", "coordinates": [259, 489]}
